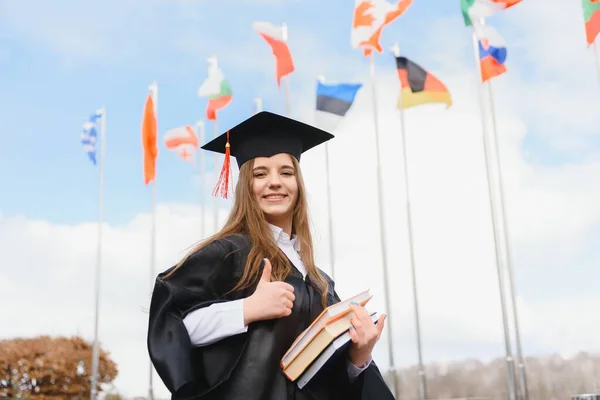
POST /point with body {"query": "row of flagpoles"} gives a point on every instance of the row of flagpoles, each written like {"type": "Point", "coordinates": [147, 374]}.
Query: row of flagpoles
{"type": "Point", "coordinates": [418, 87]}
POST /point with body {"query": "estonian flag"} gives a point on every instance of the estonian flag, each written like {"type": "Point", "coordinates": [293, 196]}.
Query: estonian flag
{"type": "Point", "coordinates": [333, 102]}
{"type": "Point", "coordinates": [336, 98]}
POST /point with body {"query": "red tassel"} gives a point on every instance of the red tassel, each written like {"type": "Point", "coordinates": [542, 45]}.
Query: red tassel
{"type": "Point", "coordinates": [222, 187]}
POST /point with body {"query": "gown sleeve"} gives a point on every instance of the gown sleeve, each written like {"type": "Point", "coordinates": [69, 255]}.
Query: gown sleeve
{"type": "Point", "coordinates": [204, 279]}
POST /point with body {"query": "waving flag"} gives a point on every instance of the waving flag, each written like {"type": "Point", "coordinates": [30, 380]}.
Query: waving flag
{"type": "Point", "coordinates": [492, 52]}
{"type": "Point", "coordinates": [336, 98]}
{"type": "Point", "coordinates": [276, 37]}
{"type": "Point", "coordinates": [149, 146]}
{"type": "Point", "coordinates": [419, 86]}
{"type": "Point", "coordinates": [591, 15]}
{"type": "Point", "coordinates": [89, 135]}
{"type": "Point", "coordinates": [216, 88]}
{"type": "Point", "coordinates": [183, 141]}
{"type": "Point", "coordinates": [370, 16]}
{"type": "Point", "coordinates": [475, 9]}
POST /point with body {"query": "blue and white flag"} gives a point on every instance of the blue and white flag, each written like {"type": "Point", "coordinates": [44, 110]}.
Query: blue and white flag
{"type": "Point", "coordinates": [89, 135]}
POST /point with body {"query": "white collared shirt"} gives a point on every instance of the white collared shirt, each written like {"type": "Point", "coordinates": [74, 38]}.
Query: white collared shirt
{"type": "Point", "coordinates": [289, 246]}
{"type": "Point", "coordinates": [218, 321]}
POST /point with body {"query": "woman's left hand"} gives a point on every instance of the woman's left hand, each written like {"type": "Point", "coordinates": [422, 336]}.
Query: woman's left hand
{"type": "Point", "coordinates": [364, 335]}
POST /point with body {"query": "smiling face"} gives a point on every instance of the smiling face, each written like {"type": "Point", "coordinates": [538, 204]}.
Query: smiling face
{"type": "Point", "coordinates": [275, 188]}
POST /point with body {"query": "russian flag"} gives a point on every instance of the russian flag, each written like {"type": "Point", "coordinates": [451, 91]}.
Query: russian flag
{"type": "Point", "coordinates": [492, 52]}
{"type": "Point", "coordinates": [336, 98]}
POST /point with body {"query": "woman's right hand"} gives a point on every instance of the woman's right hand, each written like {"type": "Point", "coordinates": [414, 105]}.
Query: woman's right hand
{"type": "Point", "coordinates": [270, 300]}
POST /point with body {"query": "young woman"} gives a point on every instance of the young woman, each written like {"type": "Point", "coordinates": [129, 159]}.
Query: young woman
{"type": "Point", "coordinates": [223, 317]}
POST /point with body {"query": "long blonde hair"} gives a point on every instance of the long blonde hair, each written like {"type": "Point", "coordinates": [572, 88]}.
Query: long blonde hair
{"type": "Point", "coordinates": [246, 217]}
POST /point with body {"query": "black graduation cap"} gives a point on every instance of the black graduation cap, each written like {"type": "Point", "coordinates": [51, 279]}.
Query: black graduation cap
{"type": "Point", "coordinates": [266, 134]}
{"type": "Point", "coordinates": [263, 135]}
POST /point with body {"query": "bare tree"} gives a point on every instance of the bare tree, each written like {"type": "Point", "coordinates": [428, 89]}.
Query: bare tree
{"type": "Point", "coordinates": [549, 378]}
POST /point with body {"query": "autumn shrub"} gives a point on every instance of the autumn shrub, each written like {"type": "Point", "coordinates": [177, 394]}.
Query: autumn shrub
{"type": "Point", "coordinates": [47, 368]}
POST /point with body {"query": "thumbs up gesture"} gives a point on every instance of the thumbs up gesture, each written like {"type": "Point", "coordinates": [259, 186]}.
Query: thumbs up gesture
{"type": "Point", "coordinates": [270, 300]}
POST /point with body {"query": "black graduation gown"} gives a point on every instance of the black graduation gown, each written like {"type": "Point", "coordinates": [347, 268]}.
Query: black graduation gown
{"type": "Point", "coordinates": [244, 366]}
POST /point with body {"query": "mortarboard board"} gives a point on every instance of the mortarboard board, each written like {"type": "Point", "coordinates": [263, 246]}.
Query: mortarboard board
{"type": "Point", "coordinates": [263, 135]}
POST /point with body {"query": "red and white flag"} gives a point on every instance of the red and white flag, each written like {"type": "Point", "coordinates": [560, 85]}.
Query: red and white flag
{"type": "Point", "coordinates": [276, 37]}
{"type": "Point", "coordinates": [183, 141]}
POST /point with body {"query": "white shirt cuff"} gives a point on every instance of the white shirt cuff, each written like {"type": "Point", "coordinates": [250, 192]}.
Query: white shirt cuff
{"type": "Point", "coordinates": [354, 371]}
{"type": "Point", "coordinates": [216, 322]}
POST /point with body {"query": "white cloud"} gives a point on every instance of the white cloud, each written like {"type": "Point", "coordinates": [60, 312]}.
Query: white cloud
{"type": "Point", "coordinates": [453, 244]}
{"type": "Point", "coordinates": [552, 210]}
{"type": "Point", "coordinates": [558, 81]}
{"type": "Point", "coordinates": [52, 292]}
{"type": "Point", "coordinates": [548, 208]}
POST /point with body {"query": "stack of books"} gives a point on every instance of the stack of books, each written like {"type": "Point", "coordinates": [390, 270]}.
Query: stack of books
{"type": "Point", "coordinates": [327, 337]}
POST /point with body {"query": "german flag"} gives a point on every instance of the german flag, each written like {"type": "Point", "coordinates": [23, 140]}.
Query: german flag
{"type": "Point", "coordinates": [419, 86]}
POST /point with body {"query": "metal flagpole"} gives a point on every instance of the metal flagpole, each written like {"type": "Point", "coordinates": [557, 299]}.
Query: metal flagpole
{"type": "Point", "coordinates": [382, 227]}
{"type": "Point", "coordinates": [216, 166]}
{"type": "Point", "coordinates": [152, 274]}
{"type": "Point", "coordinates": [321, 78]}
{"type": "Point", "coordinates": [287, 96]}
{"type": "Point", "coordinates": [154, 91]}
{"type": "Point", "coordinates": [422, 374]}
{"type": "Point", "coordinates": [512, 389]}
{"type": "Point", "coordinates": [284, 36]}
{"type": "Point", "coordinates": [200, 166]}
{"type": "Point", "coordinates": [96, 350]}
{"type": "Point", "coordinates": [329, 212]}
{"type": "Point", "coordinates": [217, 172]}
{"type": "Point", "coordinates": [522, 373]}
{"type": "Point", "coordinates": [597, 57]}
{"type": "Point", "coordinates": [258, 105]}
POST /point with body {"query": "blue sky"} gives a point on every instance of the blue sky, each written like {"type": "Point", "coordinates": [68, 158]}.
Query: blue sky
{"type": "Point", "coordinates": [69, 58]}
{"type": "Point", "coordinates": [60, 61]}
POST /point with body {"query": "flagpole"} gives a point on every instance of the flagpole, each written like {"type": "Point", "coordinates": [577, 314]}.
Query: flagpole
{"type": "Point", "coordinates": [522, 373]}
{"type": "Point", "coordinates": [329, 213]}
{"type": "Point", "coordinates": [258, 103]}
{"type": "Point", "coordinates": [509, 358]}
{"type": "Point", "coordinates": [421, 372]}
{"type": "Point", "coordinates": [284, 36]}
{"type": "Point", "coordinates": [154, 91]}
{"type": "Point", "coordinates": [329, 206]}
{"type": "Point", "coordinates": [597, 57]}
{"type": "Point", "coordinates": [287, 96]}
{"type": "Point", "coordinates": [200, 167]}
{"type": "Point", "coordinates": [382, 229]}
{"type": "Point", "coordinates": [217, 174]}
{"type": "Point", "coordinates": [96, 349]}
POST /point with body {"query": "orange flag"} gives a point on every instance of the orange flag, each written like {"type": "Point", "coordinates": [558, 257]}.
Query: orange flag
{"type": "Point", "coordinates": [149, 145]}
